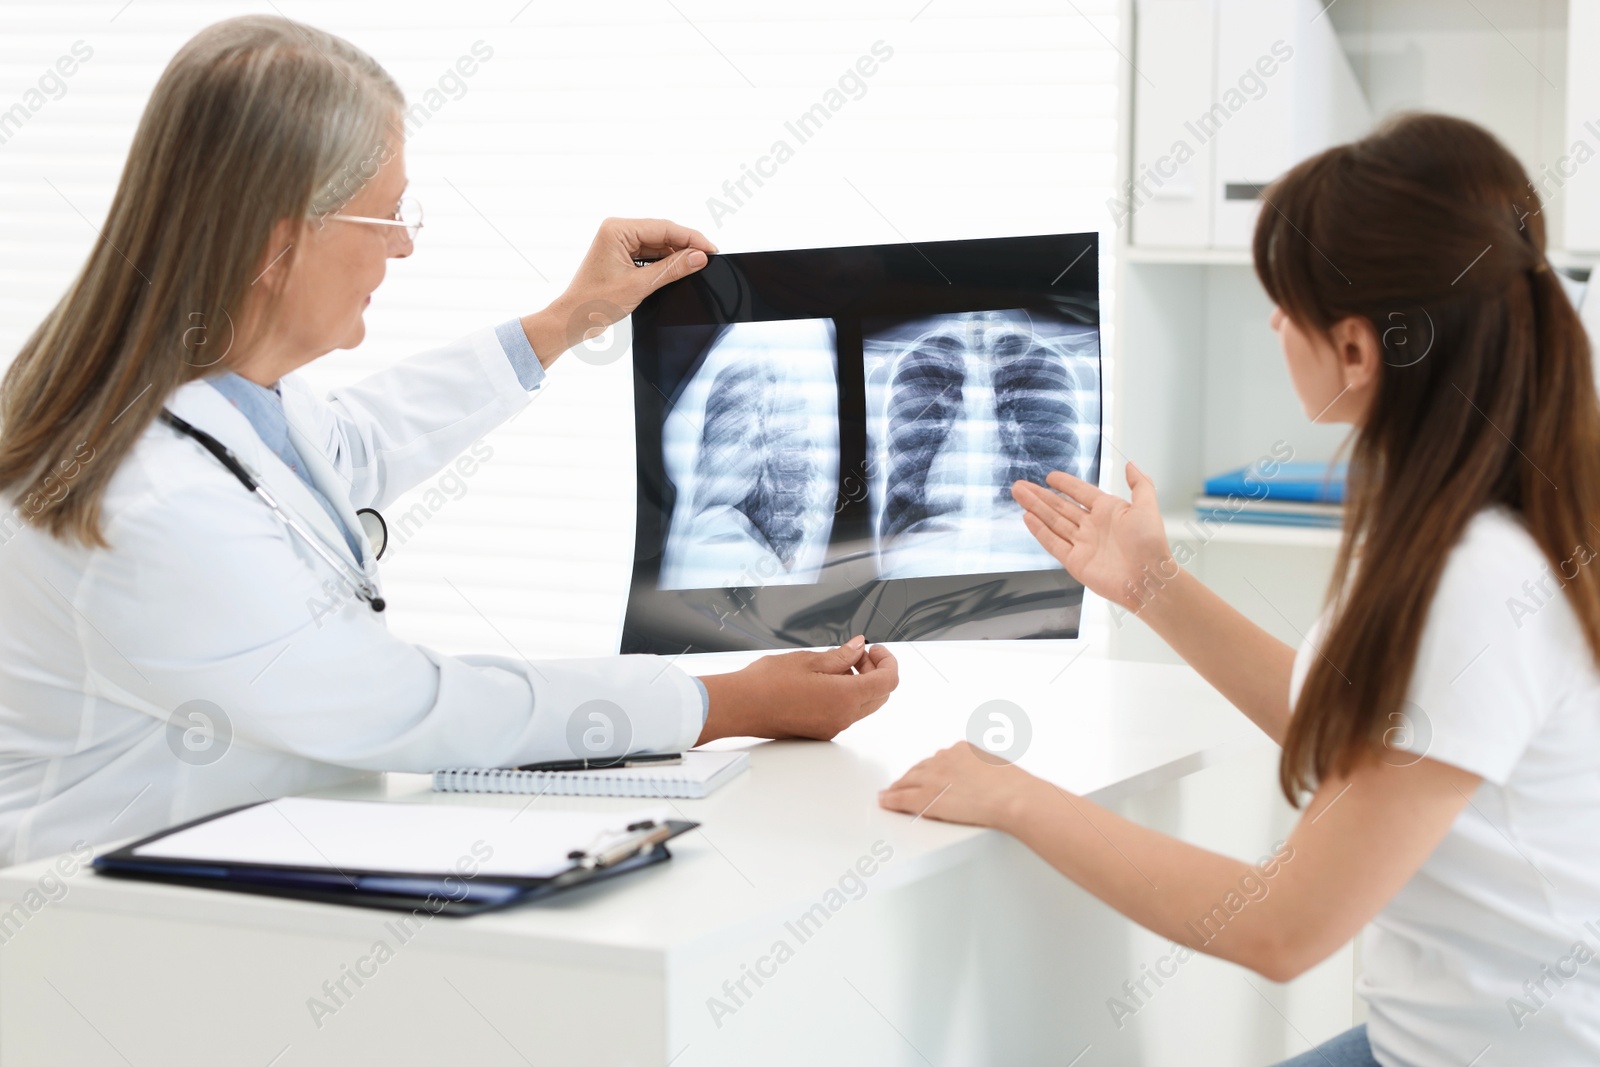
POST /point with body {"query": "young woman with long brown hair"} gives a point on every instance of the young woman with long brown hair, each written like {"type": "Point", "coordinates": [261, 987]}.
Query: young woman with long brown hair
{"type": "Point", "coordinates": [1441, 723]}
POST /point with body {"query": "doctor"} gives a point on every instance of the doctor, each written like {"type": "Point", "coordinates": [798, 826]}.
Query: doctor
{"type": "Point", "coordinates": [149, 598]}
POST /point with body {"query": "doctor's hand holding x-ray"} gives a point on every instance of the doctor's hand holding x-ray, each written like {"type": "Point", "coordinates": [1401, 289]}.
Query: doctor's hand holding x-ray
{"type": "Point", "coordinates": [160, 593]}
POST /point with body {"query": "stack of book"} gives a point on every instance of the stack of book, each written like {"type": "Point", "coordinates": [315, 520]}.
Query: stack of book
{"type": "Point", "coordinates": [1284, 494]}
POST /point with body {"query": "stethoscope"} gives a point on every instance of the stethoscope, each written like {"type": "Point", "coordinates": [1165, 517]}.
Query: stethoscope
{"type": "Point", "coordinates": [372, 523]}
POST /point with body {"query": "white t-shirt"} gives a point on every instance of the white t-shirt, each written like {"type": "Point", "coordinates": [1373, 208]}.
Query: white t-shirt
{"type": "Point", "coordinates": [1490, 954]}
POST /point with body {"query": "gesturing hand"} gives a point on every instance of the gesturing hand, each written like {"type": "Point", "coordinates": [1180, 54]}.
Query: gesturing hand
{"type": "Point", "coordinates": [1110, 545]}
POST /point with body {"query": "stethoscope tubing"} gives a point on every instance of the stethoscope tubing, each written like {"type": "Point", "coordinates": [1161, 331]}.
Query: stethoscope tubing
{"type": "Point", "coordinates": [360, 584]}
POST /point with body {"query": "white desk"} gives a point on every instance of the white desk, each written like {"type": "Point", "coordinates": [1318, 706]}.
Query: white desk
{"type": "Point", "coordinates": [963, 949]}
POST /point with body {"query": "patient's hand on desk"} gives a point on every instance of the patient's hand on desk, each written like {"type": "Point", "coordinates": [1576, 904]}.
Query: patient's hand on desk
{"type": "Point", "coordinates": [964, 784]}
{"type": "Point", "coordinates": [1112, 546]}
{"type": "Point", "coordinates": [801, 694]}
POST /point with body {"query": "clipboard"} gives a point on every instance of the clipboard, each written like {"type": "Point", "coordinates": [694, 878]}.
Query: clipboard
{"type": "Point", "coordinates": [438, 892]}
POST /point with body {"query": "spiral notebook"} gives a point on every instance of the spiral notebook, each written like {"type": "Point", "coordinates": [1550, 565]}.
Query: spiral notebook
{"type": "Point", "coordinates": [699, 775]}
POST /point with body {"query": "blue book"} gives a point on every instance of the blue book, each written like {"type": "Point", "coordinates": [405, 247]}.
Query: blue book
{"type": "Point", "coordinates": [1319, 522]}
{"type": "Point", "coordinates": [1312, 483]}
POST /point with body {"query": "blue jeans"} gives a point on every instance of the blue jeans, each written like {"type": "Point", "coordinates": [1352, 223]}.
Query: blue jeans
{"type": "Point", "coordinates": [1349, 1049]}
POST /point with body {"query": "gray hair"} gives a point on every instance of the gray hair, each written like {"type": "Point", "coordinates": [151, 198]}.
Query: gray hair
{"type": "Point", "coordinates": [255, 120]}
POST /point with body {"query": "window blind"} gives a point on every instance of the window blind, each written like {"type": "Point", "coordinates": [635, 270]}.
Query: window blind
{"type": "Point", "coordinates": [979, 118]}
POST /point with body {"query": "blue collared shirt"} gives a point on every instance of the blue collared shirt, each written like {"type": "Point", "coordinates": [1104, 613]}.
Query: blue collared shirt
{"type": "Point", "coordinates": [264, 408]}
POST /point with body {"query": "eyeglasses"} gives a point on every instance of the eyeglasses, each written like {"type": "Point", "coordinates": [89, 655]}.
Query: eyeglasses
{"type": "Point", "coordinates": [408, 216]}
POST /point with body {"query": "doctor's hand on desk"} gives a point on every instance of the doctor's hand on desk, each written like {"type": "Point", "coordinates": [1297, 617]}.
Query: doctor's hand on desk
{"type": "Point", "coordinates": [609, 284]}
{"type": "Point", "coordinates": [801, 694]}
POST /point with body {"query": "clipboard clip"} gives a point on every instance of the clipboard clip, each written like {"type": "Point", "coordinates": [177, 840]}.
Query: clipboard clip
{"type": "Point", "coordinates": [635, 839]}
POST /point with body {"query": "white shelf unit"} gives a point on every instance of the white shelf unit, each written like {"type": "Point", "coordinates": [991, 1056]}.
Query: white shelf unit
{"type": "Point", "coordinates": [1190, 257]}
{"type": "Point", "coordinates": [1202, 388]}
{"type": "Point", "coordinates": [1198, 382]}
{"type": "Point", "coordinates": [1187, 528]}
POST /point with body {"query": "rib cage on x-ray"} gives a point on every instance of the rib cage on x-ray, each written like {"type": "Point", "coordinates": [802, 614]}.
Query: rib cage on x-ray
{"type": "Point", "coordinates": [756, 456]}
{"type": "Point", "coordinates": [1035, 408]}
{"type": "Point", "coordinates": [972, 404]}
{"type": "Point", "coordinates": [753, 452]}
{"type": "Point", "coordinates": [924, 400]}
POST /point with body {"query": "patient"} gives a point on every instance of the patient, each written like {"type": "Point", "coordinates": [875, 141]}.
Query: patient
{"type": "Point", "coordinates": [1440, 724]}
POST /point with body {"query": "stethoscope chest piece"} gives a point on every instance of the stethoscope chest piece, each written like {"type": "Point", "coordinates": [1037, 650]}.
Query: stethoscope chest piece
{"type": "Point", "coordinates": [376, 529]}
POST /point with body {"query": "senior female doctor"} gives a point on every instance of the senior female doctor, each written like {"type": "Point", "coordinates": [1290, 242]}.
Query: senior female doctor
{"type": "Point", "coordinates": [266, 189]}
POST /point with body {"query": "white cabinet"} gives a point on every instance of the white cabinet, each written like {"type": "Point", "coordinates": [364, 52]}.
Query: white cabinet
{"type": "Point", "coordinates": [1579, 166]}
{"type": "Point", "coordinates": [1228, 94]}
{"type": "Point", "coordinates": [1168, 196]}
{"type": "Point", "coordinates": [1198, 384]}
{"type": "Point", "coordinates": [1291, 93]}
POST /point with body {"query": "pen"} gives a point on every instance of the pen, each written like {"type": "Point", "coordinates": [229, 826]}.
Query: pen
{"type": "Point", "coordinates": [659, 758]}
{"type": "Point", "coordinates": [640, 836]}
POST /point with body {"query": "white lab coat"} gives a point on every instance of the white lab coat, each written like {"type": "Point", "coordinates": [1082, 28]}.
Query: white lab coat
{"type": "Point", "coordinates": [204, 595]}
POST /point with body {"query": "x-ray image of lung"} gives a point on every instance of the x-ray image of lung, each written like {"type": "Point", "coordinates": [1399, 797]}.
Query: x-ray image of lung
{"type": "Point", "coordinates": [960, 406]}
{"type": "Point", "coordinates": [827, 438]}
{"type": "Point", "coordinates": [752, 447]}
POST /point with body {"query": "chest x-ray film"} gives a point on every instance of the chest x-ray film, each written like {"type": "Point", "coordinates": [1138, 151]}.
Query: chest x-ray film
{"type": "Point", "coordinates": [753, 447]}
{"type": "Point", "coordinates": [828, 437]}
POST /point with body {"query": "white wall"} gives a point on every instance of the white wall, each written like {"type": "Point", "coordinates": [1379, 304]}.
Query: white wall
{"type": "Point", "coordinates": [991, 119]}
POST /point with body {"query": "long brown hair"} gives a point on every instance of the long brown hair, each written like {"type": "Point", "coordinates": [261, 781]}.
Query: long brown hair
{"type": "Point", "coordinates": [1430, 231]}
{"type": "Point", "coordinates": [256, 119]}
